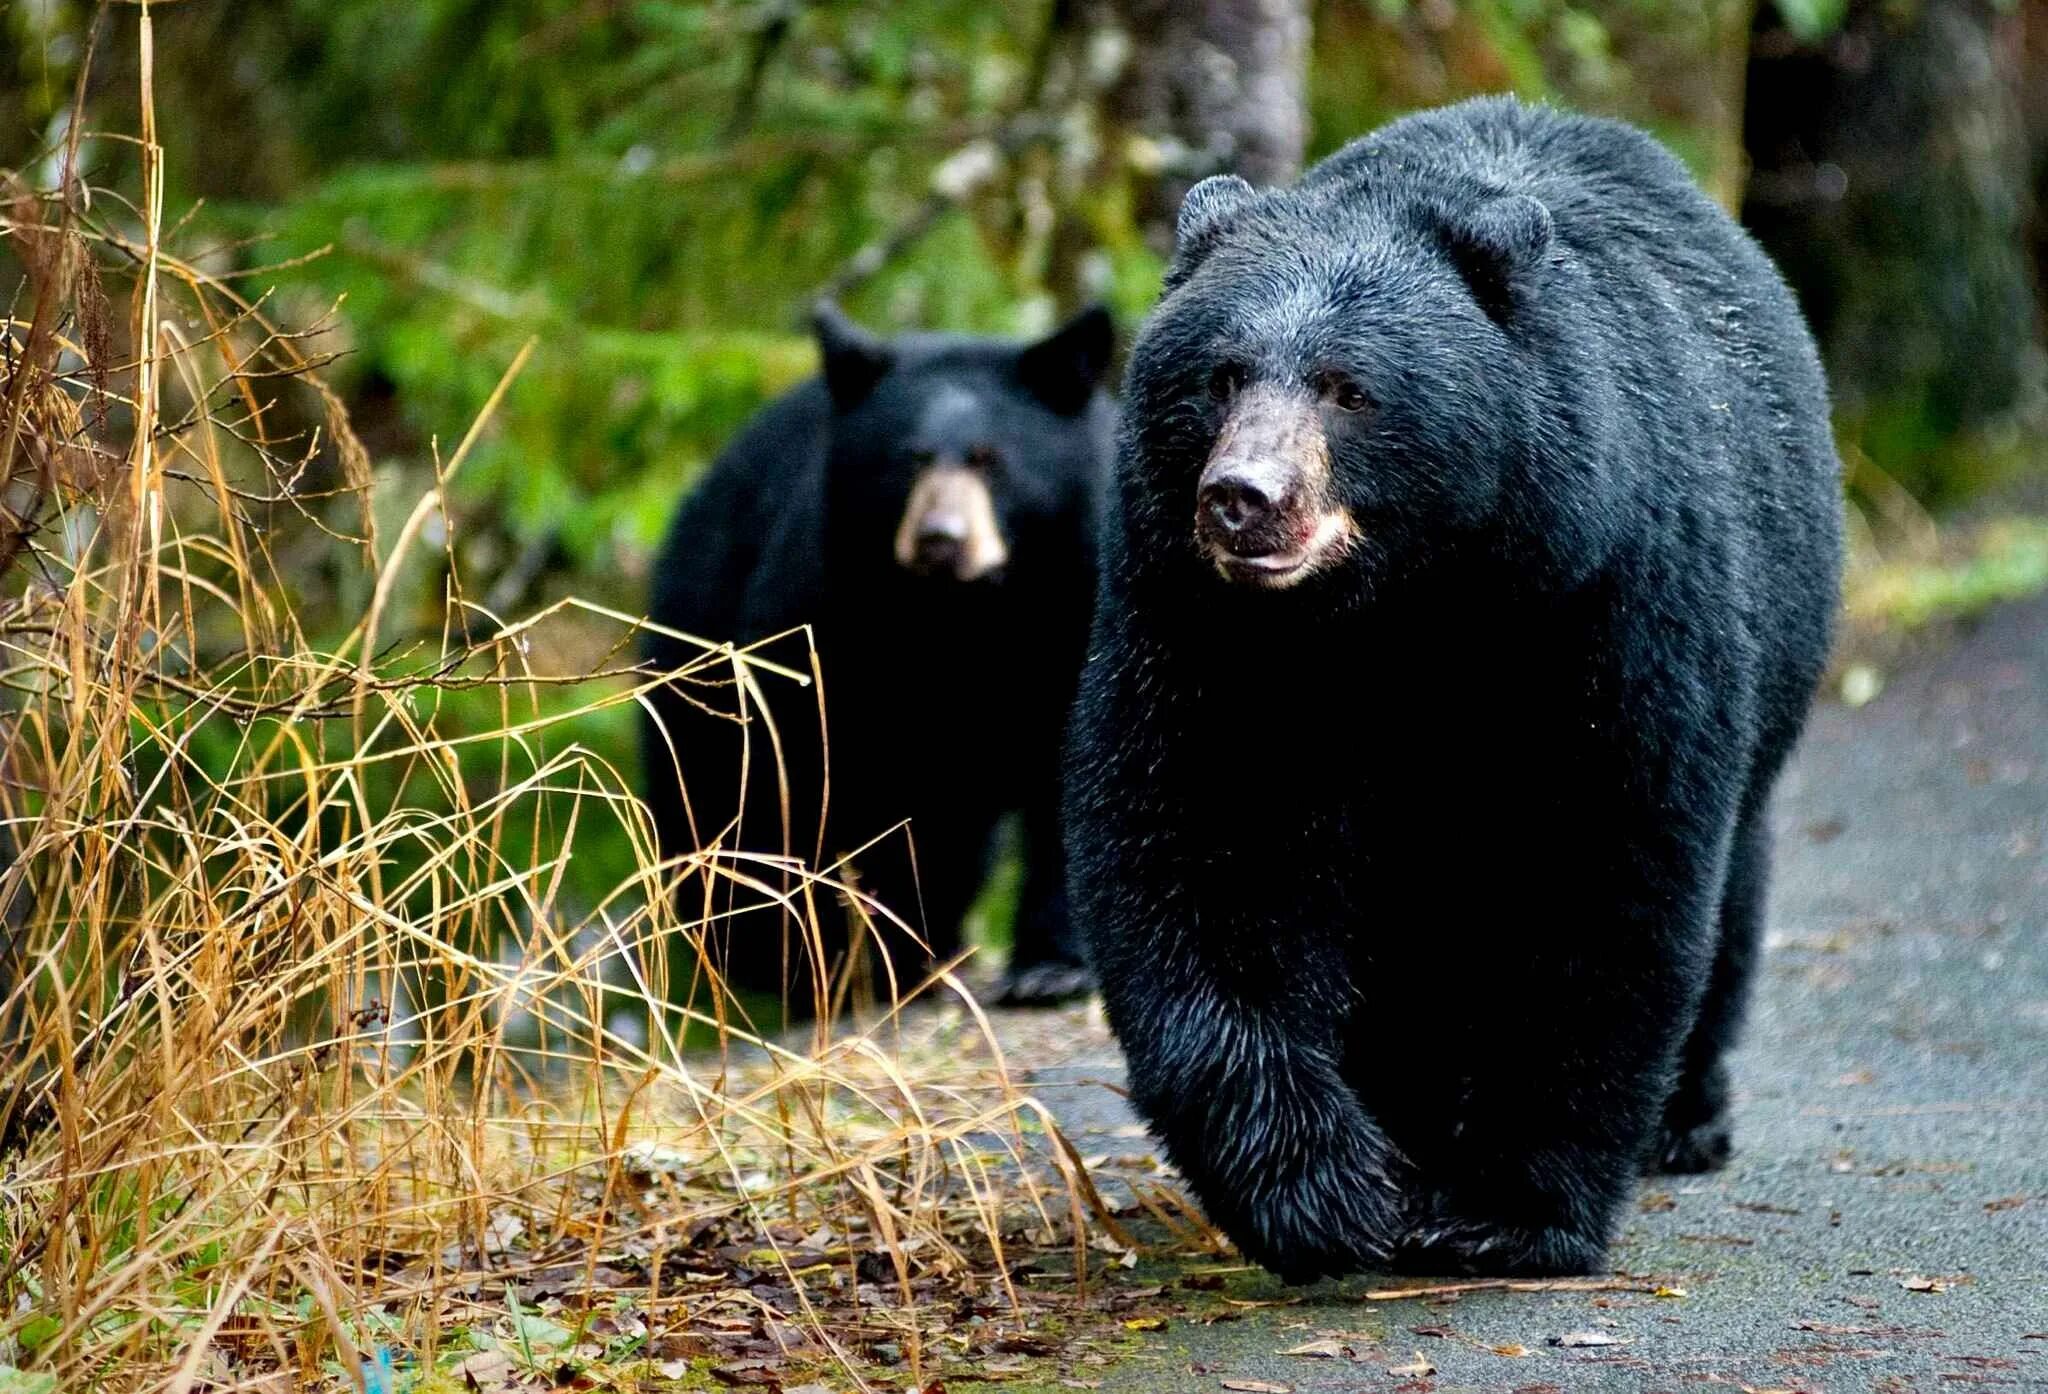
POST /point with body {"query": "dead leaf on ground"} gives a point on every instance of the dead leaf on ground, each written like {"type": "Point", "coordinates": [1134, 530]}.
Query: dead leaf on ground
{"type": "Point", "coordinates": [1328, 1348]}
{"type": "Point", "coordinates": [487, 1367]}
{"type": "Point", "coordinates": [1417, 1368]}
{"type": "Point", "coordinates": [1919, 1284]}
{"type": "Point", "coordinates": [1257, 1386]}
{"type": "Point", "coordinates": [1513, 1352]}
{"type": "Point", "coordinates": [1145, 1324]}
{"type": "Point", "coordinates": [1574, 1339]}
{"type": "Point", "coordinates": [742, 1376]}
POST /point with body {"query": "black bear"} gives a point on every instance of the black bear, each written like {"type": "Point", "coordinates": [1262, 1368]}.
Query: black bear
{"type": "Point", "coordinates": [1473, 566]}
{"type": "Point", "coordinates": [928, 505]}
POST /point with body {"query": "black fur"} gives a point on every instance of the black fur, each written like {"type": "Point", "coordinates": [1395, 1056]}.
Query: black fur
{"type": "Point", "coordinates": [946, 700]}
{"type": "Point", "coordinates": [1424, 894]}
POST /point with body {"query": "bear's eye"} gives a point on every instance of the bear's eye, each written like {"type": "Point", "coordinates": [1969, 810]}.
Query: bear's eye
{"type": "Point", "coordinates": [1344, 394]}
{"type": "Point", "coordinates": [1224, 381]}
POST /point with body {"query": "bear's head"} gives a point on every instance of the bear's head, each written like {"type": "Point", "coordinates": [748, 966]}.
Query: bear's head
{"type": "Point", "coordinates": [946, 452]}
{"type": "Point", "coordinates": [1350, 385]}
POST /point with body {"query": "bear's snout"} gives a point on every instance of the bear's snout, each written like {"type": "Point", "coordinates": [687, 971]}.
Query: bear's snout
{"type": "Point", "coordinates": [949, 526]}
{"type": "Point", "coordinates": [1246, 508]}
{"type": "Point", "coordinates": [1262, 507]}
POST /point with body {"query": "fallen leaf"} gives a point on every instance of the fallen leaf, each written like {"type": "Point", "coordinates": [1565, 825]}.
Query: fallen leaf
{"type": "Point", "coordinates": [1573, 1339]}
{"type": "Point", "coordinates": [746, 1375]}
{"type": "Point", "coordinates": [1145, 1324]}
{"type": "Point", "coordinates": [1669, 1292]}
{"type": "Point", "coordinates": [1025, 1344]}
{"type": "Point", "coordinates": [1416, 1369]}
{"type": "Point", "coordinates": [1262, 1302]}
{"type": "Point", "coordinates": [2004, 1203]}
{"type": "Point", "coordinates": [1827, 829]}
{"type": "Point", "coordinates": [1257, 1386]}
{"type": "Point", "coordinates": [1328, 1348]}
{"type": "Point", "coordinates": [490, 1367]}
{"type": "Point", "coordinates": [1513, 1352]}
{"type": "Point", "coordinates": [1443, 1332]}
{"type": "Point", "coordinates": [1924, 1284]}
{"type": "Point", "coordinates": [1657, 1203]}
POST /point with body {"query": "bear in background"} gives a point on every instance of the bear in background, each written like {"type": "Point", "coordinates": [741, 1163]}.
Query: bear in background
{"type": "Point", "coordinates": [929, 506]}
{"type": "Point", "coordinates": [1473, 568]}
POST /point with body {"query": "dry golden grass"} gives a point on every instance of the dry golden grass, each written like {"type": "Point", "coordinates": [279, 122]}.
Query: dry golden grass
{"type": "Point", "coordinates": [274, 1095]}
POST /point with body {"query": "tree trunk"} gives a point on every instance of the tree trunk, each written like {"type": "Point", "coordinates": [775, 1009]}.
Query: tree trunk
{"type": "Point", "coordinates": [1209, 86]}
{"type": "Point", "coordinates": [1891, 182]}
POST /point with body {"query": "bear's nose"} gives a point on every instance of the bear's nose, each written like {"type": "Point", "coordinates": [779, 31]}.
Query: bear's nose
{"type": "Point", "coordinates": [1236, 503]}
{"type": "Point", "coordinates": [940, 541]}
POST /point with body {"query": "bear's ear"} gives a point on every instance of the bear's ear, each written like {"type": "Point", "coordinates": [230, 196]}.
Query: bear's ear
{"type": "Point", "coordinates": [1204, 213]}
{"type": "Point", "coordinates": [1501, 249]}
{"type": "Point", "coordinates": [1062, 369]}
{"type": "Point", "coordinates": [854, 360]}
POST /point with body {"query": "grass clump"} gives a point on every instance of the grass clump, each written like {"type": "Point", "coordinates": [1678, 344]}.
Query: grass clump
{"type": "Point", "coordinates": [318, 1069]}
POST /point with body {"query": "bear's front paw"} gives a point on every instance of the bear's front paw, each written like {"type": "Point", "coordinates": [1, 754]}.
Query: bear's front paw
{"type": "Point", "coordinates": [1695, 1135]}
{"type": "Point", "coordinates": [1325, 1221]}
{"type": "Point", "coordinates": [1443, 1245]}
{"type": "Point", "coordinates": [1303, 1239]}
{"type": "Point", "coordinates": [1045, 984]}
{"type": "Point", "coordinates": [1686, 1149]}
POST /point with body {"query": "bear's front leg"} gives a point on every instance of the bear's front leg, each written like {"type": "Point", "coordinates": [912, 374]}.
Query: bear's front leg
{"type": "Point", "coordinates": [1566, 1080]}
{"type": "Point", "coordinates": [1277, 1147]}
{"type": "Point", "coordinates": [1230, 1027]}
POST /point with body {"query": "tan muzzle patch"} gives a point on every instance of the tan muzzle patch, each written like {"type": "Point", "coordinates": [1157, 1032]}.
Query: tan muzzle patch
{"type": "Point", "coordinates": [949, 526]}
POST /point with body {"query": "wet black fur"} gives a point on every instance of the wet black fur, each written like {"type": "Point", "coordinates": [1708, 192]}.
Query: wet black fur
{"type": "Point", "coordinates": [1424, 895]}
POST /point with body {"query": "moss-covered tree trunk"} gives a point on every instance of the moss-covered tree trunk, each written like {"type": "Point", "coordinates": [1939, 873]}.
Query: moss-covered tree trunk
{"type": "Point", "coordinates": [1169, 91]}
{"type": "Point", "coordinates": [1892, 182]}
{"type": "Point", "coordinates": [1213, 85]}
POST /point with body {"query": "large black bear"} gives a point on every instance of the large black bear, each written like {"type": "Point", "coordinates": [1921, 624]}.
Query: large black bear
{"type": "Point", "coordinates": [1474, 565]}
{"type": "Point", "coordinates": [929, 506]}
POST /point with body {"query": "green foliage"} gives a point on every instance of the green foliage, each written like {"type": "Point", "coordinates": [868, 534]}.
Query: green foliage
{"type": "Point", "coordinates": [2007, 560]}
{"type": "Point", "coordinates": [1811, 19]}
{"type": "Point", "coordinates": [463, 175]}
